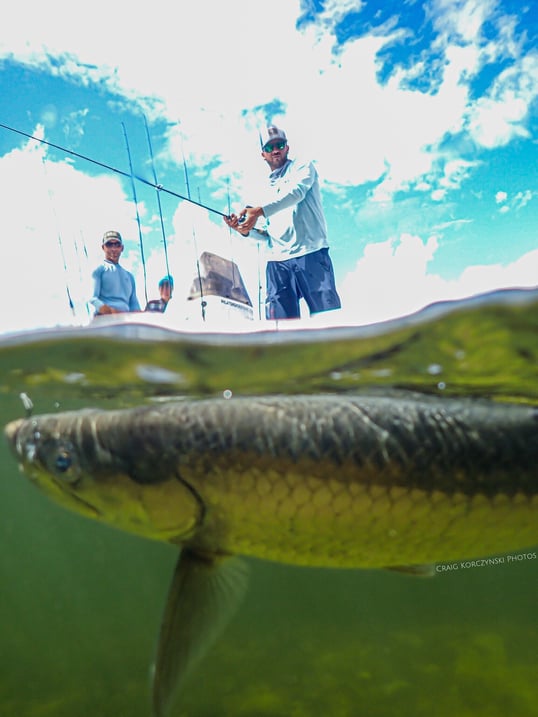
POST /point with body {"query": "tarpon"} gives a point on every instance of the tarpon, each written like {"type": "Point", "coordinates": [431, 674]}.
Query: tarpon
{"type": "Point", "coordinates": [358, 482]}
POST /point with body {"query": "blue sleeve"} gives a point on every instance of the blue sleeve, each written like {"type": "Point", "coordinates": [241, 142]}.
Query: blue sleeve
{"type": "Point", "coordinates": [133, 300]}
{"type": "Point", "coordinates": [95, 301]}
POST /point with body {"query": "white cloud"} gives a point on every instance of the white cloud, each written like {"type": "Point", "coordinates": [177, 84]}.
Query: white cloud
{"type": "Point", "coordinates": [53, 242]}
{"type": "Point", "coordinates": [169, 72]}
{"type": "Point", "coordinates": [53, 215]}
{"type": "Point", "coordinates": [516, 202]}
{"type": "Point", "coordinates": [481, 278]}
{"type": "Point", "coordinates": [391, 279]}
{"type": "Point", "coordinates": [334, 11]}
{"type": "Point", "coordinates": [523, 198]}
{"type": "Point", "coordinates": [69, 212]}
{"type": "Point", "coordinates": [462, 20]}
{"type": "Point", "coordinates": [452, 223]}
{"type": "Point", "coordinates": [438, 195]}
{"type": "Point", "coordinates": [500, 116]}
{"type": "Point", "coordinates": [203, 74]}
{"type": "Point", "coordinates": [209, 70]}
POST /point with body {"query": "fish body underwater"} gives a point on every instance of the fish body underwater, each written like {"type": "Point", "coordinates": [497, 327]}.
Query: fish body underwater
{"type": "Point", "coordinates": [334, 481]}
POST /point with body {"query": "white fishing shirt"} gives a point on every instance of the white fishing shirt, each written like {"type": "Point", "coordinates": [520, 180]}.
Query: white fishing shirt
{"type": "Point", "coordinates": [294, 219]}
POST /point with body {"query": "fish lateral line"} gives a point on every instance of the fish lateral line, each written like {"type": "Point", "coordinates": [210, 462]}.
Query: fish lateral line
{"type": "Point", "coordinates": [285, 516]}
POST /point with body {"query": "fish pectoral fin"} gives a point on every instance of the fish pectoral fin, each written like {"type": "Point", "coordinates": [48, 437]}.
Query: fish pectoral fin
{"type": "Point", "coordinates": [421, 571]}
{"type": "Point", "coordinates": [203, 596]}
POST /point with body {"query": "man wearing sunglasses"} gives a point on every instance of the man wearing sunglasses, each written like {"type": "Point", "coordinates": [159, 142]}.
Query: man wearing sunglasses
{"type": "Point", "coordinates": [114, 289]}
{"type": "Point", "coordinates": [295, 233]}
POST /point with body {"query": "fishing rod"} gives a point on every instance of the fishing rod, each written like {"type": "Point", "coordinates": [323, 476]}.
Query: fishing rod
{"type": "Point", "coordinates": [158, 197]}
{"type": "Point", "coordinates": [196, 255]}
{"type": "Point", "coordinates": [80, 272]}
{"type": "Point", "coordinates": [203, 302]}
{"type": "Point", "coordinates": [234, 278]}
{"type": "Point", "coordinates": [159, 187]}
{"type": "Point", "coordinates": [259, 281]}
{"type": "Point", "coordinates": [186, 171]}
{"type": "Point", "coordinates": [141, 240]}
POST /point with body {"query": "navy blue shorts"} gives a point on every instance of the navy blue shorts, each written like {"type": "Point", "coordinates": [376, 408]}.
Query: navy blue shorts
{"type": "Point", "coordinates": [309, 277]}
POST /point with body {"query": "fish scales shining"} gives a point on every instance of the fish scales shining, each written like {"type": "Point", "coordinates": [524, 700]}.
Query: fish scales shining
{"type": "Point", "coordinates": [336, 481]}
{"type": "Point", "coordinates": [311, 480]}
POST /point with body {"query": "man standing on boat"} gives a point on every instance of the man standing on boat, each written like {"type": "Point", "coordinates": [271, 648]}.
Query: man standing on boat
{"type": "Point", "coordinates": [298, 263]}
{"type": "Point", "coordinates": [114, 289]}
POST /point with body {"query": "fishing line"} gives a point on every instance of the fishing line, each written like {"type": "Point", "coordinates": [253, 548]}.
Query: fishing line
{"type": "Point", "coordinates": [137, 213]}
{"type": "Point", "coordinates": [114, 169]}
{"type": "Point", "coordinates": [158, 198]}
{"type": "Point", "coordinates": [59, 237]}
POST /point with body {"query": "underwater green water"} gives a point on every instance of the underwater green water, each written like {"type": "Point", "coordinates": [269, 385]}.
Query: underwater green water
{"type": "Point", "coordinates": [80, 603]}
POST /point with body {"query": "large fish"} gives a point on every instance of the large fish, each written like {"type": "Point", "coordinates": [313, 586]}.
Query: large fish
{"type": "Point", "coordinates": [310, 480]}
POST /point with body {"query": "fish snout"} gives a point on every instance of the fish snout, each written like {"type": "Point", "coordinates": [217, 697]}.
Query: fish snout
{"type": "Point", "coordinates": [11, 431]}
{"type": "Point", "coordinates": [17, 439]}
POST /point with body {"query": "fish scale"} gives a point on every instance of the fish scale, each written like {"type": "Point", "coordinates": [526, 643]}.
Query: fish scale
{"type": "Point", "coordinates": [273, 473]}
{"type": "Point", "coordinates": [332, 481]}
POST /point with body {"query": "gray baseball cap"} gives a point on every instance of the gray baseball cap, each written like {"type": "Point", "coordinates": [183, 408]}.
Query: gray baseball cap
{"type": "Point", "coordinates": [114, 235]}
{"type": "Point", "coordinates": [273, 133]}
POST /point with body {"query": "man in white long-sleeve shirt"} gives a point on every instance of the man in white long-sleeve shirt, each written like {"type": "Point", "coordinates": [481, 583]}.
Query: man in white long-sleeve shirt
{"type": "Point", "coordinates": [298, 264]}
{"type": "Point", "coordinates": [114, 289]}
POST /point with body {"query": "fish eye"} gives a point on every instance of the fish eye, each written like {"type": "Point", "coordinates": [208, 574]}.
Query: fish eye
{"type": "Point", "coordinates": [63, 462]}
{"type": "Point", "coordinates": [60, 458]}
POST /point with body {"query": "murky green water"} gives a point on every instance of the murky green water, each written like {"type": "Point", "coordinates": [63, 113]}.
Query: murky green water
{"type": "Point", "coordinates": [80, 603]}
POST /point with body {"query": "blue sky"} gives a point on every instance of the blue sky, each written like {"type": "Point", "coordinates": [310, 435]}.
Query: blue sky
{"type": "Point", "coordinates": [421, 117]}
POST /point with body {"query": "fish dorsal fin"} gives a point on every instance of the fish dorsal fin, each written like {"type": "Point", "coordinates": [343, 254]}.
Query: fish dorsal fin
{"type": "Point", "coordinates": [203, 596]}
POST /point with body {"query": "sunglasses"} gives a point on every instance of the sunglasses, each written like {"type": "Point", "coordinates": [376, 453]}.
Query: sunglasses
{"type": "Point", "coordinates": [112, 244]}
{"type": "Point", "coordinates": [271, 147]}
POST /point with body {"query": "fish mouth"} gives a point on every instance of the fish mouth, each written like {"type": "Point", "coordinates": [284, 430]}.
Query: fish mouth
{"type": "Point", "coordinates": [25, 451]}
{"type": "Point", "coordinates": [21, 449]}
{"type": "Point", "coordinates": [11, 430]}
